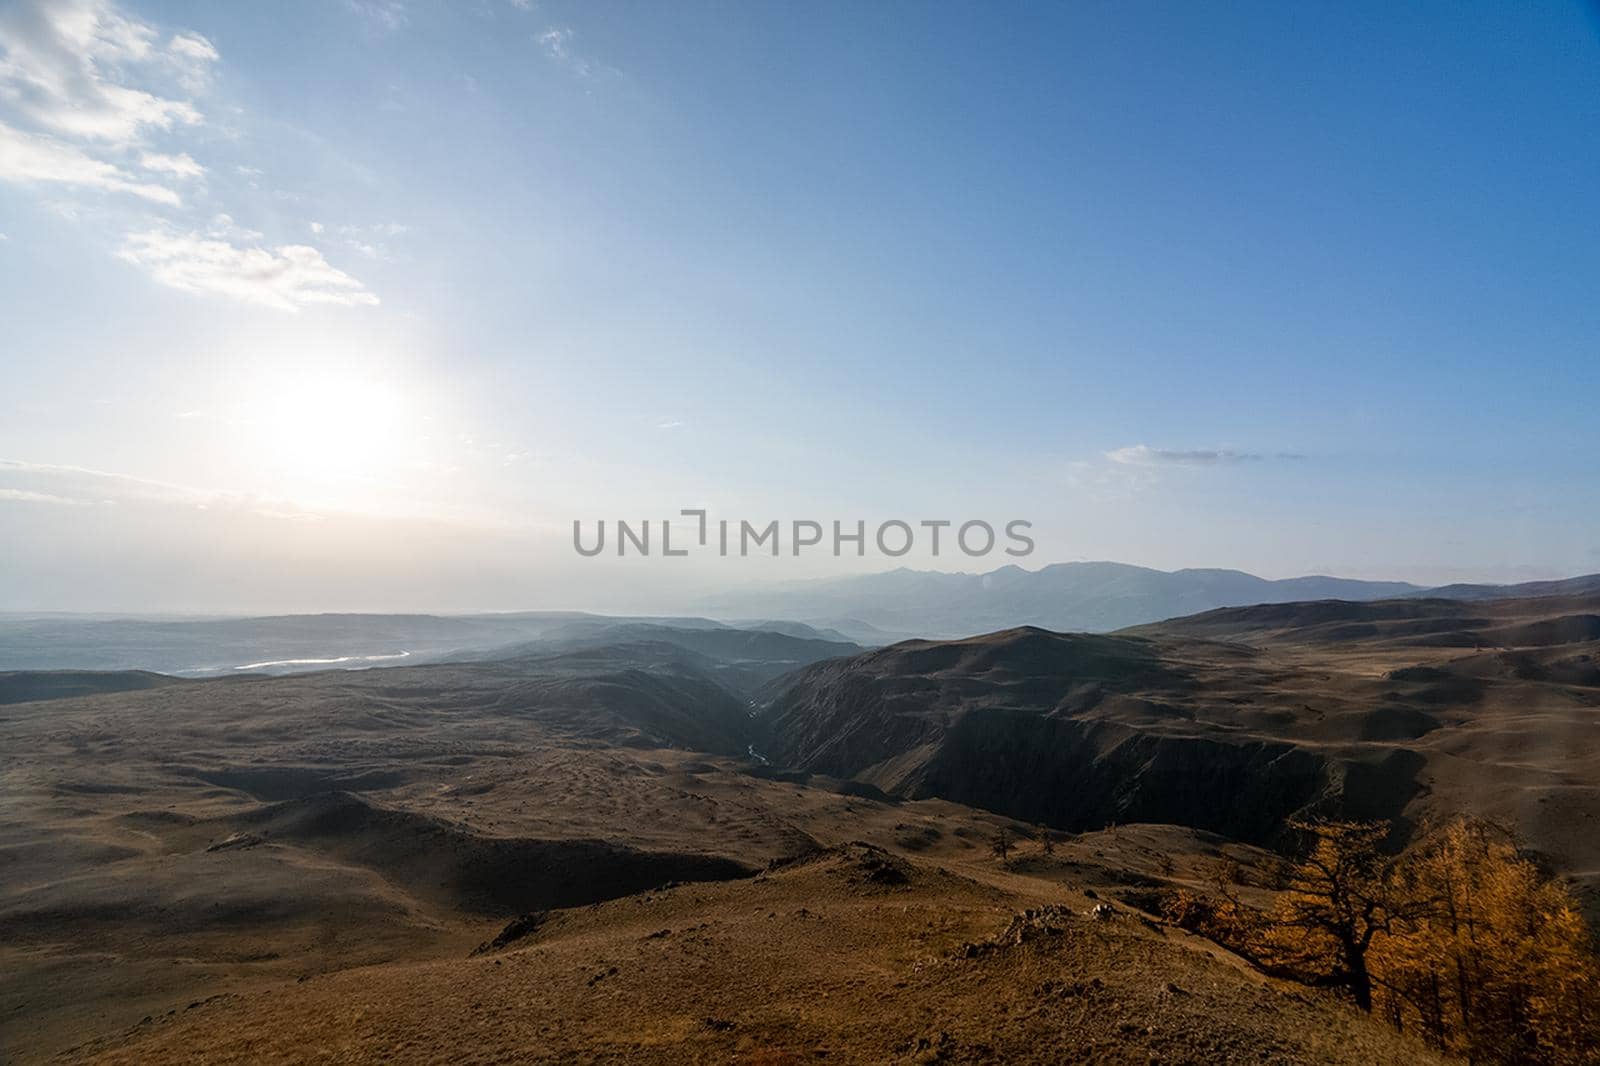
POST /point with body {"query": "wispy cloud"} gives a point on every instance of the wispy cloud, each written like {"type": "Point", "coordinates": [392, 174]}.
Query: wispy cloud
{"type": "Point", "coordinates": [193, 47]}
{"type": "Point", "coordinates": [557, 44]}
{"type": "Point", "coordinates": [1144, 455]}
{"type": "Point", "coordinates": [556, 41]}
{"type": "Point", "coordinates": [93, 99]}
{"type": "Point", "coordinates": [24, 496]}
{"type": "Point", "coordinates": [367, 241]}
{"type": "Point", "coordinates": [38, 159]}
{"type": "Point", "coordinates": [61, 485]}
{"type": "Point", "coordinates": [77, 484]}
{"type": "Point", "coordinates": [386, 15]}
{"type": "Point", "coordinates": [287, 277]}
{"type": "Point", "coordinates": [1123, 473]}
{"type": "Point", "coordinates": [223, 227]}
{"type": "Point", "coordinates": [181, 165]}
{"type": "Point", "coordinates": [67, 65]}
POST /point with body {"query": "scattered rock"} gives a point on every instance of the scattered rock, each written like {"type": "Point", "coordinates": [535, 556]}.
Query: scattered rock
{"type": "Point", "coordinates": [236, 842]}
{"type": "Point", "coordinates": [932, 1048]}
{"type": "Point", "coordinates": [1025, 928]}
{"type": "Point", "coordinates": [520, 927]}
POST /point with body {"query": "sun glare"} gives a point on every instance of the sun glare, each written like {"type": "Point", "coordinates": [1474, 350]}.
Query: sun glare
{"type": "Point", "coordinates": [327, 427]}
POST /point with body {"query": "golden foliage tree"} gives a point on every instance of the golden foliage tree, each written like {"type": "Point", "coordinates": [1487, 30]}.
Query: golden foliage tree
{"type": "Point", "coordinates": [1338, 899]}
{"type": "Point", "coordinates": [1462, 939]}
{"type": "Point", "coordinates": [1499, 966]}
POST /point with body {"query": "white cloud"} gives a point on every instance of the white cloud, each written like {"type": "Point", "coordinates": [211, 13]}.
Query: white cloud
{"type": "Point", "coordinates": [80, 486]}
{"type": "Point", "coordinates": [557, 44]}
{"type": "Point", "coordinates": [24, 496]}
{"type": "Point", "coordinates": [193, 57]}
{"type": "Point", "coordinates": [181, 165]}
{"type": "Point", "coordinates": [193, 46]}
{"type": "Point", "coordinates": [31, 157]}
{"type": "Point", "coordinates": [556, 41]}
{"type": "Point", "coordinates": [287, 278]}
{"type": "Point", "coordinates": [87, 89]}
{"type": "Point", "coordinates": [1144, 455]}
{"type": "Point", "coordinates": [316, 227]}
{"type": "Point", "coordinates": [76, 484]}
{"type": "Point", "coordinates": [65, 62]}
{"type": "Point", "coordinates": [223, 227]}
{"type": "Point", "coordinates": [1121, 474]}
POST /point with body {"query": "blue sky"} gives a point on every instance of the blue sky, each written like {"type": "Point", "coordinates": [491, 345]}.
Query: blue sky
{"type": "Point", "coordinates": [1285, 287]}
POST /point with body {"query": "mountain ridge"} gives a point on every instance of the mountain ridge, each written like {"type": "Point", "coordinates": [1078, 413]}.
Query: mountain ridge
{"type": "Point", "coordinates": [1095, 597]}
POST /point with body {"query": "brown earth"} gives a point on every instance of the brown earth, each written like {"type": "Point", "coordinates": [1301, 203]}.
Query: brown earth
{"type": "Point", "coordinates": [302, 868]}
{"type": "Point", "coordinates": [1235, 720]}
{"type": "Point", "coordinates": [318, 867]}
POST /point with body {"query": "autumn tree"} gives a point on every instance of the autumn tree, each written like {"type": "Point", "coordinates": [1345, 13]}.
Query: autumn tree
{"type": "Point", "coordinates": [1500, 966]}
{"type": "Point", "coordinates": [1342, 893]}
{"type": "Point", "coordinates": [1462, 939]}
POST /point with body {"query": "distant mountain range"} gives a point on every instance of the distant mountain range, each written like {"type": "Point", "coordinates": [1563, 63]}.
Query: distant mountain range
{"type": "Point", "coordinates": [1065, 597]}
{"type": "Point", "coordinates": [763, 632]}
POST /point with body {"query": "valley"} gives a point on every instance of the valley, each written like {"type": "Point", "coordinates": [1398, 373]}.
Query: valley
{"type": "Point", "coordinates": [566, 848]}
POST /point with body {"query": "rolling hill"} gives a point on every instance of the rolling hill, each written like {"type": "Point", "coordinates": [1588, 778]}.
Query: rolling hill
{"type": "Point", "coordinates": [685, 841]}
{"type": "Point", "coordinates": [1093, 597]}
{"type": "Point", "coordinates": [1233, 720]}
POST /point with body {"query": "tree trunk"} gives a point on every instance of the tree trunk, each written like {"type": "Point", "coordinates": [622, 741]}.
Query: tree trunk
{"type": "Point", "coordinates": [1360, 983]}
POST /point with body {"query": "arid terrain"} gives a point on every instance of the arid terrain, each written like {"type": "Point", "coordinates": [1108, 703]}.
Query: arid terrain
{"type": "Point", "coordinates": [667, 847]}
{"type": "Point", "coordinates": [567, 531]}
{"type": "Point", "coordinates": [1235, 720]}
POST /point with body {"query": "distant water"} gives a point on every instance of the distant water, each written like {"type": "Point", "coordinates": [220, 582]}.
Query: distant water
{"type": "Point", "coordinates": [324, 662]}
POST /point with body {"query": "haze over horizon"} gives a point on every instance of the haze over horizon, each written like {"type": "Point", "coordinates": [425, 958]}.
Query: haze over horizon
{"type": "Point", "coordinates": [857, 595]}
{"type": "Point", "coordinates": [357, 306]}
{"type": "Point", "coordinates": [554, 530]}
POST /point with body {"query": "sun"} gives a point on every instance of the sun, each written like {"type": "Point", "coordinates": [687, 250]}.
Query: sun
{"type": "Point", "coordinates": [315, 428]}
